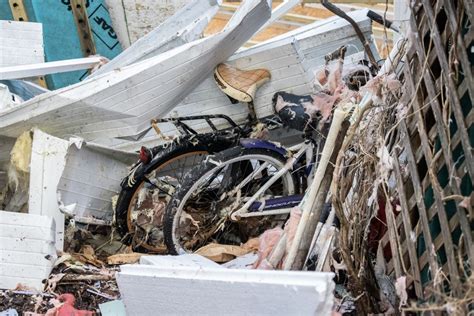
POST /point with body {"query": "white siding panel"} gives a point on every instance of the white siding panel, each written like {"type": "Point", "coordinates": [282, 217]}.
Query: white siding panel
{"type": "Point", "coordinates": [27, 250]}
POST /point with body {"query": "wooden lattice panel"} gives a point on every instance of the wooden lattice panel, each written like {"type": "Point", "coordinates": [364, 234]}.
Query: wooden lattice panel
{"type": "Point", "coordinates": [434, 167]}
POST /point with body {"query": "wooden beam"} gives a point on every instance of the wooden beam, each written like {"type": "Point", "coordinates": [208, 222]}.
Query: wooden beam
{"type": "Point", "coordinates": [83, 27]}
{"type": "Point", "coordinates": [18, 10]}
{"type": "Point", "coordinates": [33, 70]}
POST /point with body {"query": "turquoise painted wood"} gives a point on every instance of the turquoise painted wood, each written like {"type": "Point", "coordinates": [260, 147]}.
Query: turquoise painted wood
{"type": "Point", "coordinates": [61, 40]}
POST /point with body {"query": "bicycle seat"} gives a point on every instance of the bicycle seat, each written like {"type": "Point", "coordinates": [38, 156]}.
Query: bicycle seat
{"type": "Point", "coordinates": [238, 84]}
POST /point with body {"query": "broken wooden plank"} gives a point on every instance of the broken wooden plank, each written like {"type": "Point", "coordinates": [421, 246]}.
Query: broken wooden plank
{"type": "Point", "coordinates": [184, 26]}
{"type": "Point", "coordinates": [91, 178]}
{"type": "Point", "coordinates": [291, 61]}
{"type": "Point", "coordinates": [48, 154]}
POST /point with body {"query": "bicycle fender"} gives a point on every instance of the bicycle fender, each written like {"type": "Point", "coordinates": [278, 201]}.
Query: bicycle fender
{"type": "Point", "coordinates": [210, 141]}
{"type": "Point", "coordinates": [263, 144]}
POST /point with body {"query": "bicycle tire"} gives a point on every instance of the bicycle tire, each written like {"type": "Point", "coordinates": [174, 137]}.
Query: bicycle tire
{"type": "Point", "coordinates": [164, 155]}
{"type": "Point", "coordinates": [197, 174]}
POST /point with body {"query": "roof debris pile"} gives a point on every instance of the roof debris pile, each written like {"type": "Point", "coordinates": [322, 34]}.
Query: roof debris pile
{"type": "Point", "coordinates": [196, 171]}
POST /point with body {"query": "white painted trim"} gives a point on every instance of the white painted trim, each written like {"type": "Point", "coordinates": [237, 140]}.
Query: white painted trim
{"type": "Point", "coordinates": [41, 69]}
{"type": "Point", "coordinates": [217, 291]}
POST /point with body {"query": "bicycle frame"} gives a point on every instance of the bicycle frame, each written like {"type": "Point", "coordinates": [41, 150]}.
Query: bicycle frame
{"type": "Point", "coordinates": [298, 152]}
{"type": "Point", "coordinates": [311, 191]}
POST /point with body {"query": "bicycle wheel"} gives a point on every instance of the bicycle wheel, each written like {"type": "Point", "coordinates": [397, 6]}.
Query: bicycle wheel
{"type": "Point", "coordinates": [147, 189]}
{"type": "Point", "coordinates": [199, 211]}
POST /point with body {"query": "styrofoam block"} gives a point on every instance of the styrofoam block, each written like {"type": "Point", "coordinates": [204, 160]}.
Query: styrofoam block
{"type": "Point", "coordinates": [152, 290]}
{"type": "Point", "coordinates": [27, 249]}
{"type": "Point", "coordinates": [186, 260]}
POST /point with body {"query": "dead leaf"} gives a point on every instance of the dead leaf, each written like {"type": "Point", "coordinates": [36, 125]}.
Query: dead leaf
{"type": "Point", "coordinates": [88, 251]}
{"type": "Point", "coordinates": [53, 281]}
{"type": "Point", "coordinates": [222, 253]}
{"type": "Point", "coordinates": [87, 255]}
{"type": "Point", "coordinates": [252, 244]}
{"type": "Point", "coordinates": [124, 258]}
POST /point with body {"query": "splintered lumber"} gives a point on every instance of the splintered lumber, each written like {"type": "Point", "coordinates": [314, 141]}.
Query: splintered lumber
{"type": "Point", "coordinates": [310, 197]}
{"type": "Point", "coordinates": [318, 204]}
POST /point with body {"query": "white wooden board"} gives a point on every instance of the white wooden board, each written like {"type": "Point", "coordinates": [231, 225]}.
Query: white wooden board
{"type": "Point", "coordinates": [91, 177]}
{"type": "Point", "coordinates": [185, 260]}
{"type": "Point", "coordinates": [208, 291]}
{"type": "Point", "coordinates": [41, 69]}
{"type": "Point", "coordinates": [21, 43]}
{"type": "Point", "coordinates": [121, 103]}
{"type": "Point", "coordinates": [27, 250]}
{"type": "Point", "coordinates": [48, 156]}
{"type": "Point", "coordinates": [186, 25]}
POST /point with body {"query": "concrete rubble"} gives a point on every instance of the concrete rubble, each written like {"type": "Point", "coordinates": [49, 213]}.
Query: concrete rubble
{"type": "Point", "coordinates": [66, 156]}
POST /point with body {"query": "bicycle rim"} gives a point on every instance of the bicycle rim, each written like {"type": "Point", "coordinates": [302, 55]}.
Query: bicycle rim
{"type": "Point", "coordinates": [195, 216]}
{"type": "Point", "coordinates": [147, 204]}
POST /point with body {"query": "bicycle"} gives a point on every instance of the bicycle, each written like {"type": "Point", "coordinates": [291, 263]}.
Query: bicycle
{"type": "Point", "coordinates": [153, 178]}
{"type": "Point", "coordinates": [239, 193]}
{"type": "Point", "coordinates": [242, 186]}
